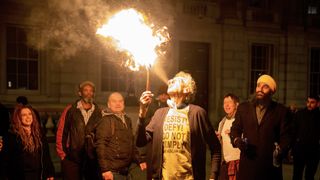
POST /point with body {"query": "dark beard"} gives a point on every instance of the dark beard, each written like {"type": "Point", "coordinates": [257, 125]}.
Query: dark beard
{"type": "Point", "coordinates": [264, 100]}
{"type": "Point", "coordinates": [87, 100]}
{"type": "Point", "coordinates": [260, 101]}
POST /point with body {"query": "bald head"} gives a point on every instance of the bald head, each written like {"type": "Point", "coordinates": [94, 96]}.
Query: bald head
{"type": "Point", "coordinates": [116, 103]}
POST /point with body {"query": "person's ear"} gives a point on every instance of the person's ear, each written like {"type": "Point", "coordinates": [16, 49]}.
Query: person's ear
{"type": "Point", "coordinates": [79, 93]}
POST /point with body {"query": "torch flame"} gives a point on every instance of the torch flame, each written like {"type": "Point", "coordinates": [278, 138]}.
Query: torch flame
{"type": "Point", "coordinates": [132, 35]}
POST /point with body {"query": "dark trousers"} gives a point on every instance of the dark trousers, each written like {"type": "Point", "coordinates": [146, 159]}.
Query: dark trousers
{"type": "Point", "coordinates": [223, 174]}
{"type": "Point", "coordinates": [70, 170]}
{"type": "Point", "coordinates": [2, 167]}
{"type": "Point", "coordinates": [224, 171]}
{"type": "Point", "coordinates": [149, 161]}
{"type": "Point", "coordinates": [77, 171]}
{"type": "Point", "coordinates": [118, 176]}
{"type": "Point", "coordinates": [305, 158]}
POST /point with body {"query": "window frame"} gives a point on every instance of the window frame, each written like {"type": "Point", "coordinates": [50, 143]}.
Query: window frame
{"type": "Point", "coordinates": [26, 59]}
{"type": "Point", "coordinates": [124, 76]}
{"type": "Point", "coordinates": [254, 73]}
{"type": "Point", "coordinates": [310, 72]}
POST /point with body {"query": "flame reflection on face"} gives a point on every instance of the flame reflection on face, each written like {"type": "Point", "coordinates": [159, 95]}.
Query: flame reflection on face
{"type": "Point", "coordinates": [176, 85]}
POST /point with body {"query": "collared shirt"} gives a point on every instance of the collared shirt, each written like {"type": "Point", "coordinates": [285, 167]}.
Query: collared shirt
{"type": "Point", "coordinates": [121, 116]}
{"type": "Point", "coordinates": [85, 113]}
{"type": "Point", "coordinates": [260, 111]}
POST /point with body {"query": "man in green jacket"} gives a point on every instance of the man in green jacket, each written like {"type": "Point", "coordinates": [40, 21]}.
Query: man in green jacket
{"type": "Point", "coordinates": [115, 145]}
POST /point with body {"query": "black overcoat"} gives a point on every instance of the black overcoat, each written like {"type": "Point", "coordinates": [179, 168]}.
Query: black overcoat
{"type": "Point", "coordinates": [256, 162]}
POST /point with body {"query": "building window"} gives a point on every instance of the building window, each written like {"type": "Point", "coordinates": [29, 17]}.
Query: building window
{"type": "Point", "coordinates": [195, 8]}
{"type": "Point", "coordinates": [22, 60]}
{"type": "Point", "coordinates": [113, 77]}
{"type": "Point", "coordinates": [313, 7]}
{"type": "Point", "coordinates": [312, 10]}
{"type": "Point", "coordinates": [315, 71]}
{"type": "Point", "coordinates": [261, 62]}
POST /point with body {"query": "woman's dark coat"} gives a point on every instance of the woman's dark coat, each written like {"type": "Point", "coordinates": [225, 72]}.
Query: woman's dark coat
{"type": "Point", "coordinates": [24, 165]}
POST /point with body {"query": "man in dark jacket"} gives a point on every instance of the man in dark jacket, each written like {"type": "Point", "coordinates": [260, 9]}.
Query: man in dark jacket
{"type": "Point", "coordinates": [306, 150]}
{"type": "Point", "coordinates": [115, 141]}
{"type": "Point", "coordinates": [179, 134]}
{"type": "Point", "coordinates": [257, 127]}
{"type": "Point", "coordinates": [77, 140]}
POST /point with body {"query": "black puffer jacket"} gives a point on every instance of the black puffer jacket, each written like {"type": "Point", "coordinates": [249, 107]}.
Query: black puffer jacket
{"type": "Point", "coordinates": [75, 132]}
{"type": "Point", "coordinates": [115, 143]}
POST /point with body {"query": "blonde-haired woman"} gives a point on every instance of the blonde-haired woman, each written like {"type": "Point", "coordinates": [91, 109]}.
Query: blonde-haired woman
{"type": "Point", "coordinates": [26, 148]}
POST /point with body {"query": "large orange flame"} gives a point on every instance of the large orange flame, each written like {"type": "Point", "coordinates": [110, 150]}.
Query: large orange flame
{"type": "Point", "coordinates": [128, 29]}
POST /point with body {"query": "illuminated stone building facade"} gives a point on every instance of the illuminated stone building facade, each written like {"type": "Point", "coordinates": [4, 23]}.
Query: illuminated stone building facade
{"type": "Point", "coordinates": [225, 44]}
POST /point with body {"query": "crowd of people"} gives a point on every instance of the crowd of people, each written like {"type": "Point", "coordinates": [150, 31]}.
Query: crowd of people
{"type": "Point", "coordinates": [250, 143]}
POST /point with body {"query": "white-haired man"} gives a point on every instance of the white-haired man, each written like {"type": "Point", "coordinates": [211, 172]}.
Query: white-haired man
{"type": "Point", "coordinates": [179, 134]}
{"type": "Point", "coordinates": [258, 126]}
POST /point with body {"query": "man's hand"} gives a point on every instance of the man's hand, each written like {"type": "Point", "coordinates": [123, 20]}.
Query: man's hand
{"type": "Point", "coordinates": [277, 155]}
{"type": "Point", "coordinates": [241, 143]}
{"type": "Point", "coordinates": [107, 175]}
{"type": "Point", "coordinates": [143, 166]}
{"type": "Point", "coordinates": [145, 100]}
{"type": "Point", "coordinates": [218, 134]}
{"type": "Point", "coordinates": [63, 156]}
{"type": "Point", "coordinates": [50, 178]}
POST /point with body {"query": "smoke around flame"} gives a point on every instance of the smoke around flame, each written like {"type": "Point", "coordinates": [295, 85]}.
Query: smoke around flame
{"type": "Point", "coordinates": [69, 27]}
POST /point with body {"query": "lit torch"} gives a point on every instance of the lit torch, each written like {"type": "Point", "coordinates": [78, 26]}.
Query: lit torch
{"type": "Point", "coordinates": [128, 29]}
